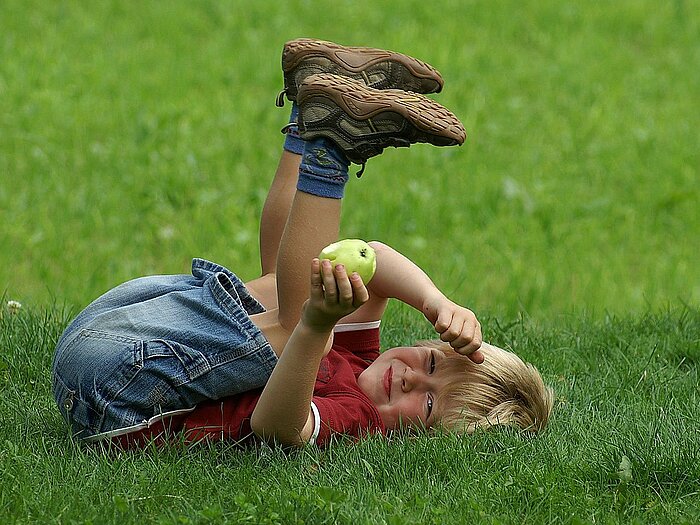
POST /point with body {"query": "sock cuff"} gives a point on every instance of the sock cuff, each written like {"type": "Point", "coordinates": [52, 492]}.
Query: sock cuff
{"type": "Point", "coordinates": [323, 170]}
{"type": "Point", "coordinates": [328, 187]}
{"type": "Point", "coordinates": [293, 143]}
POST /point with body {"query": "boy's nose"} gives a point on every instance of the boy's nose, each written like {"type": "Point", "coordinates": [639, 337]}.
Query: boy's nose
{"type": "Point", "coordinates": [411, 380]}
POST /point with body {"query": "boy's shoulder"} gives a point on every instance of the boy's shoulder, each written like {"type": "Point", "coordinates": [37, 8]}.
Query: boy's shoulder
{"type": "Point", "coordinates": [360, 339]}
{"type": "Point", "coordinates": [339, 405]}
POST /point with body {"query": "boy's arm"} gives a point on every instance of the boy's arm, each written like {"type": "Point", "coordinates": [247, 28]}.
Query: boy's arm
{"type": "Point", "coordinates": [283, 412]}
{"type": "Point", "coordinates": [400, 278]}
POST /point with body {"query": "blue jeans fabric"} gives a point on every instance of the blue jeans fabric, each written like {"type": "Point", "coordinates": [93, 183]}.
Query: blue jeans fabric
{"type": "Point", "coordinates": [159, 344]}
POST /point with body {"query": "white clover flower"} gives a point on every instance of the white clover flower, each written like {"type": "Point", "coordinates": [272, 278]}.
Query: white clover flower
{"type": "Point", "coordinates": [14, 306]}
{"type": "Point", "coordinates": [166, 233]}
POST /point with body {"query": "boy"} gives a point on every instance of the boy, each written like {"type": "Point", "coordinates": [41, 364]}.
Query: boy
{"type": "Point", "coordinates": [293, 356]}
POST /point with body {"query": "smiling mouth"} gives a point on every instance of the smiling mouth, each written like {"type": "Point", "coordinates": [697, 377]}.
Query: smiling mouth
{"type": "Point", "coordinates": [387, 381]}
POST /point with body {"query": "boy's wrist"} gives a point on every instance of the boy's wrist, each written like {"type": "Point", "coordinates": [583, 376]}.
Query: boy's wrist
{"type": "Point", "coordinates": [315, 337]}
{"type": "Point", "coordinates": [314, 328]}
{"type": "Point", "coordinates": [431, 304]}
{"type": "Point", "coordinates": [314, 321]}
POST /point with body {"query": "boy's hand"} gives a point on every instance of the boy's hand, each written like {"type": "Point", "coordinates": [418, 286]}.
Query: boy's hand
{"type": "Point", "coordinates": [456, 325]}
{"type": "Point", "coordinates": [333, 295]}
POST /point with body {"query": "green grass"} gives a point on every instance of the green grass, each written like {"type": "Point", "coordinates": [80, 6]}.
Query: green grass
{"type": "Point", "coordinates": [627, 388]}
{"type": "Point", "coordinates": [136, 135]}
{"type": "Point", "coordinates": [133, 137]}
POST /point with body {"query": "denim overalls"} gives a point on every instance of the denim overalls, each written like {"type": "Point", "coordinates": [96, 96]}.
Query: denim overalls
{"type": "Point", "coordinates": [158, 345]}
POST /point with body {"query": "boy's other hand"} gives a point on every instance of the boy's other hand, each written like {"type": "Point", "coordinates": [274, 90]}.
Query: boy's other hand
{"type": "Point", "coordinates": [334, 294]}
{"type": "Point", "coordinates": [457, 326]}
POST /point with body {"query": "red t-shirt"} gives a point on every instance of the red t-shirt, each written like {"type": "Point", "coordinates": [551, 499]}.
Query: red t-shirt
{"type": "Point", "coordinates": [338, 404]}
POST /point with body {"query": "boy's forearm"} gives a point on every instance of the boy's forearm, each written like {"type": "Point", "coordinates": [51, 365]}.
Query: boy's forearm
{"type": "Point", "coordinates": [400, 278]}
{"type": "Point", "coordinates": [283, 412]}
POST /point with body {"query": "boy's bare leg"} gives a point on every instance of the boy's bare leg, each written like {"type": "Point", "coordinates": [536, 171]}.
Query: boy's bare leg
{"type": "Point", "coordinates": [276, 210]}
{"type": "Point", "coordinates": [273, 220]}
{"type": "Point", "coordinates": [313, 223]}
{"type": "Point", "coordinates": [275, 213]}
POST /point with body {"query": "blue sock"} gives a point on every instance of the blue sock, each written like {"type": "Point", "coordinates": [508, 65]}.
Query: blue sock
{"type": "Point", "coordinates": [293, 142]}
{"type": "Point", "coordinates": [323, 170]}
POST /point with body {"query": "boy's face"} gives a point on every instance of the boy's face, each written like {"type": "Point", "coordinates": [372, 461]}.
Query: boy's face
{"type": "Point", "coordinates": [404, 383]}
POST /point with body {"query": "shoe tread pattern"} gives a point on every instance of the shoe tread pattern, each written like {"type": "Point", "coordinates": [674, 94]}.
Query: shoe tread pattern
{"type": "Point", "coordinates": [354, 59]}
{"type": "Point", "coordinates": [362, 102]}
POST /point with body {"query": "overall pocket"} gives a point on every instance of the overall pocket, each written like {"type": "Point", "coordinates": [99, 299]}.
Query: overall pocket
{"type": "Point", "coordinates": [83, 420]}
{"type": "Point", "coordinates": [179, 376]}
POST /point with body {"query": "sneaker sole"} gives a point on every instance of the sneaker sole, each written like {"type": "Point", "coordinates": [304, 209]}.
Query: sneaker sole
{"type": "Point", "coordinates": [440, 126]}
{"type": "Point", "coordinates": [356, 60]}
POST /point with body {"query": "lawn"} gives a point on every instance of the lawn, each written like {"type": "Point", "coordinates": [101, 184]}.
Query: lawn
{"type": "Point", "coordinates": [134, 136]}
{"type": "Point", "coordinates": [621, 448]}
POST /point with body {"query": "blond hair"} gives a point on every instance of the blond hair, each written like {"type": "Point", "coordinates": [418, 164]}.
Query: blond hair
{"type": "Point", "coordinates": [503, 390]}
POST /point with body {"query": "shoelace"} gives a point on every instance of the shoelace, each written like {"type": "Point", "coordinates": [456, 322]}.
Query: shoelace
{"type": "Point", "coordinates": [285, 129]}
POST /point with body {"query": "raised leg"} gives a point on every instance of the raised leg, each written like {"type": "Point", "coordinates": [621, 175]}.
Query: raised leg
{"type": "Point", "coordinates": [275, 213]}
{"type": "Point", "coordinates": [313, 223]}
{"type": "Point", "coordinates": [276, 210]}
{"type": "Point", "coordinates": [343, 120]}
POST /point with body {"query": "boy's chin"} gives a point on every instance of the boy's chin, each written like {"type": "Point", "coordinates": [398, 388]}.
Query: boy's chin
{"type": "Point", "coordinates": [407, 430]}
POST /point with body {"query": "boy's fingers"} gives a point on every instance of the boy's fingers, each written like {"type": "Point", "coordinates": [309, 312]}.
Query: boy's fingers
{"type": "Point", "coordinates": [328, 277]}
{"type": "Point", "coordinates": [471, 348]}
{"type": "Point", "coordinates": [316, 279]}
{"type": "Point", "coordinates": [344, 286]}
{"type": "Point", "coordinates": [452, 333]}
{"type": "Point", "coordinates": [360, 292]}
{"type": "Point", "coordinates": [442, 323]}
{"type": "Point", "coordinates": [476, 357]}
{"type": "Point", "coordinates": [462, 341]}
{"type": "Point", "coordinates": [469, 337]}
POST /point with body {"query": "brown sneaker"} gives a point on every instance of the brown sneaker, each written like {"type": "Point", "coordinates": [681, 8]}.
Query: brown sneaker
{"type": "Point", "coordinates": [363, 121]}
{"type": "Point", "coordinates": [378, 68]}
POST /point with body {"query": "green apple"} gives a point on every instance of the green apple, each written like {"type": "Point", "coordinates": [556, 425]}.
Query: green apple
{"type": "Point", "coordinates": [355, 254]}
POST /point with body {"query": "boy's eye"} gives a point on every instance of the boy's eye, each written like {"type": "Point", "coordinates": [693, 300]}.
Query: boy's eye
{"type": "Point", "coordinates": [432, 362]}
{"type": "Point", "coordinates": [430, 406]}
